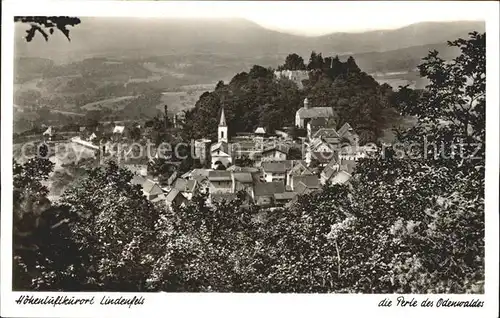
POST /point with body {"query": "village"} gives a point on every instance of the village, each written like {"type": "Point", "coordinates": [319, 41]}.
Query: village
{"type": "Point", "coordinates": [269, 170]}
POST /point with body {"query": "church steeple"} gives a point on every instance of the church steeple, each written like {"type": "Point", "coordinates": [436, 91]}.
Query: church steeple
{"type": "Point", "coordinates": [222, 122]}
{"type": "Point", "coordinates": [222, 130]}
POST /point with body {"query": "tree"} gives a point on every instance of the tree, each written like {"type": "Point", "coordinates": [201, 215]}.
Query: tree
{"type": "Point", "coordinates": [44, 257]}
{"type": "Point", "coordinates": [114, 226]}
{"type": "Point", "coordinates": [293, 62]}
{"type": "Point", "coordinates": [315, 61]}
{"type": "Point", "coordinates": [161, 167]}
{"type": "Point", "coordinates": [244, 161]}
{"type": "Point", "coordinates": [46, 25]}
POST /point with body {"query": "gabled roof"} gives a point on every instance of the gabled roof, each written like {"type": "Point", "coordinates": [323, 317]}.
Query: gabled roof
{"type": "Point", "coordinates": [309, 181]}
{"type": "Point", "coordinates": [174, 193]}
{"type": "Point", "coordinates": [180, 184]}
{"type": "Point", "coordinates": [341, 177]}
{"type": "Point", "coordinates": [318, 123]}
{"type": "Point", "coordinates": [172, 178]}
{"type": "Point", "coordinates": [300, 168]}
{"type": "Point", "coordinates": [275, 167]}
{"type": "Point", "coordinates": [324, 157]}
{"type": "Point", "coordinates": [200, 174]}
{"type": "Point", "coordinates": [278, 147]}
{"type": "Point", "coordinates": [330, 169]}
{"type": "Point", "coordinates": [138, 180]}
{"type": "Point", "coordinates": [326, 133]}
{"type": "Point", "coordinates": [347, 166]}
{"type": "Point", "coordinates": [268, 188]}
{"type": "Point", "coordinates": [260, 130]}
{"type": "Point", "coordinates": [191, 186]}
{"type": "Point", "coordinates": [118, 129]}
{"type": "Point", "coordinates": [315, 112]}
{"type": "Point", "coordinates": [217, 175]}
{"type": "Point", "coordinates": [151, 188]}
{"type": "Point", "coordinates": [344, 129]}
{"type": "Point", "coordinates": [48, 131]}
{"type": "Point", "coordinates": [244, 177]}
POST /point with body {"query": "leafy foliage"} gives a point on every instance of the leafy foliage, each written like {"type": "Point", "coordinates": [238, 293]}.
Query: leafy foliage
{"type": "Point", "coordinates": [46, 25]}
{"type": "Point", "coordinates": [400, 225]}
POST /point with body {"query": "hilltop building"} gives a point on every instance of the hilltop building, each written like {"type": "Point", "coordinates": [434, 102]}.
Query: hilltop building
{"type": "Point", "coordinates": [306, 113]}
{"type": "Point", "coordinates": [296, 76]}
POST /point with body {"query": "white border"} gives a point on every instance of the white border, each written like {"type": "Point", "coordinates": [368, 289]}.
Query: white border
{"type": "Point", "coordinates": [250, 305]}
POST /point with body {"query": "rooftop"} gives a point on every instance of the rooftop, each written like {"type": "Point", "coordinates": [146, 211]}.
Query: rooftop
{"type": "Point", "coordinates": [268, 188]}
{"type": "Point", "coordinates": [151, 188]}
{"type": "Point", "coordinates": [310, 181]}
{"type": "Point", "coordinates": [285, 195]}
{"type": "Point", "coordinates": [315, 112]}
{"type": "Point", "coordinates": [217, 175]}
{"type": "Point", "coordinates": [245, 177]}
{"type": "Point", "coordinates": [275, 167]}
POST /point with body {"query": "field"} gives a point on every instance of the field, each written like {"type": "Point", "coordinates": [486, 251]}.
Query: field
{"type": "Point", "coordinates": [116, 103]}
{"type": "Point", "coordinates": [178, 101]}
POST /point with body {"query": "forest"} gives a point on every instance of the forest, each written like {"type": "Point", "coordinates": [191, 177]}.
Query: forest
{"type": "Point", "coordinates": [389, 230]}
{"type": "Point", "coordinates": [258, 99]}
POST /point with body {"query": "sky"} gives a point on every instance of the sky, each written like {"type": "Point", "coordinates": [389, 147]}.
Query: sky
{"type": "Point", "coordinates": [298, 17]}
{"type": "Point", "coordinates": [322, 17]}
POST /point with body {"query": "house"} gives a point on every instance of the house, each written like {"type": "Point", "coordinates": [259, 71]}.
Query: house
{"type": "Point", "coordinates": [172, 178]}
{"type": "Point", "coordinates": [347, 134]}
{"type": "Point", "coordinates": [306, 113]}
{"type": "Point", "coordinates": [329, 171]}
{"type": "Point", "coordinates": [283, 198]}
{"type": "Point", "coordinates": [243, 181]}
{"type": "Point", "coordinates": [151, 189]}
{"type": "Point", "coordinates": [138, 180]}
{"type": "Point", "coordinates": [276, 152]}
{"type": "Point", "coordinates": [221, 197]}
{"type": "Point", "coordinates": [352, 153]}
{"type": "Point", "coordinates": [299, 169]}
{"type": "Point", "coordinates": [220, 181]}
{"type": "Point", "coordinates": [319, 145]}
{"type": "Point", "coordinates": [282, 134]}
{"type": "Point", "coordinates": [341, 177]}
{"type": "Point", "coordinates": [175, 198]}
{"type": "Point", "coordinates": [348, 166]}
{"type": "Point", "coordinates": [264, 192]}
{"type": "Point", "coordinates": [306, 184]}
{"type": "Point", "coordinates": [316, 124]}
{"type": "Point", "coordinates": [48, 133]}
{"type": "Point", "coordinates": [92, 137]}
{"type": "Point", "coordinates": [118, 129]}
{"type": "Point", "coordinates": [328, 135]}
{"type": "Point", "coordinates": [320, 158]}
{"type": "Point", "coordinates": [260, 131]}
{"type": "Point", "coordinates": [275, 170]}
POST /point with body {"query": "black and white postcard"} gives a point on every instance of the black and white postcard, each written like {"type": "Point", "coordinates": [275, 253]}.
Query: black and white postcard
{"type": "Point", "coordinates": [229, 159]}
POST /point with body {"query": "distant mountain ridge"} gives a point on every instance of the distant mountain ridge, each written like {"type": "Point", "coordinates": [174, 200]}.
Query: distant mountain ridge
{"type": "Point", "coordinates": [142, 37]}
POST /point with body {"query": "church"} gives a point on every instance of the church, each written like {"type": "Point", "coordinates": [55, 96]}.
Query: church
{"type": "Point", "coordinates": [306, 113]}
{"type": "Point", "coordinates": [221, 152]}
